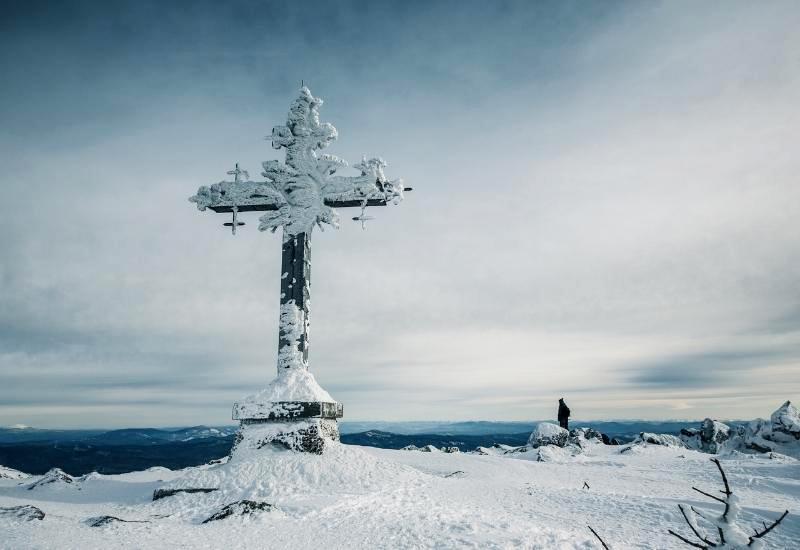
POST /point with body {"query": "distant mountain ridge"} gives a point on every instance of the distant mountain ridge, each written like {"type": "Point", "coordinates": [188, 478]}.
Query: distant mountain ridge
{"type": "Point", "coordinates": [79, 452]}
{"type": "Point", "coordinates": [124, 436]}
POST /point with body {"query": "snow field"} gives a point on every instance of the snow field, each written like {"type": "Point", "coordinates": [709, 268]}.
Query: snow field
{"type": "Point", "coordinates": [358, 497]}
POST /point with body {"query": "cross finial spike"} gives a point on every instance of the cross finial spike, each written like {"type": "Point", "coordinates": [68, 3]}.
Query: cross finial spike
{"type": "Point", "coordinates": [236, 172]}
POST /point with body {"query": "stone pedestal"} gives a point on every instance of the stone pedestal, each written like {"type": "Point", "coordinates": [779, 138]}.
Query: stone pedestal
{"type": "Point", "coordinates": [305, 436]}
{"type": "Point", "coordinates": [304, 426]}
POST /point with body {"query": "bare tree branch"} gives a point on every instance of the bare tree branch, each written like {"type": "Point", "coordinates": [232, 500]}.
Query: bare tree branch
{"type": "Point", "coordinates": [768, 529]}
{"type": "Point", "coordinates": [598, 537]}
{"type": "Point", "coordinates": [709, 496]}
{"type": "Point", "coordinates": [696, 533]}
{"type": "Point", "coordinates": [701, 514]}
{"type": "Point", "coordinates": [727, 491]}
{"type": "Point", "coordinates": [687, 541]}
{"type": "Point", "coordinates": [718, 521]}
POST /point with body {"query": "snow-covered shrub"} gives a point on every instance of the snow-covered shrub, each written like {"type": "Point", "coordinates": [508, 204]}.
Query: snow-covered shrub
{"type": "Point", "coordinates": [725, 528]}
{"type": "Point", "coordinates": [547, 433]}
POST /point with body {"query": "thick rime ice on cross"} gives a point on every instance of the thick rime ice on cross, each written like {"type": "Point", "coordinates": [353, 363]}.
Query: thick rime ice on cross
{"type": "Point", "coordinates": [300, 188]}
{"type": "Point", "coordinates": [297, 195]}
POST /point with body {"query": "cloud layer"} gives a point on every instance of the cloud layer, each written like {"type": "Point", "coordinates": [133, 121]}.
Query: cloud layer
{"type": "Point", "coordinates": [605, 208]}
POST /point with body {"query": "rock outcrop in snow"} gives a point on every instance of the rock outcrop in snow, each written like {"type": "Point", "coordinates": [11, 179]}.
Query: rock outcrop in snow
{"type": "Point", "coordinates": [22, 513]}
{"type": "Point", "coordinates": [786, 423]}
{"type": "Point", "coordinates": [54, 476]}
{"type": "Point", "coordinates": [102, 521]}
{"type": "Point", "coordinates": [547, 433]}
{"type": "Point", "coordinates": [158, 494]}
{"type": "Point", "coordinates": [239, 509]}
{"type": "Point", "coordinates": [780, 434]}
{"type": "Point", "coordinates": [709, 437]}
{"type": "Point", "coordinates": [11, 473]}
{"type": "Point", "coordinates": [664, 440]}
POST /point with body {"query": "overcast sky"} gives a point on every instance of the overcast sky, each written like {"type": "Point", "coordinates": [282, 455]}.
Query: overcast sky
{"type": "Point", "coordinates": [606, 207]}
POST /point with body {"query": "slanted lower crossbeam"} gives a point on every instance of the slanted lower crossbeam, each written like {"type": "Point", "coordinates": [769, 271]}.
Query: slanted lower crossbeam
{"type": "Point", "coordinates": [224, 209]}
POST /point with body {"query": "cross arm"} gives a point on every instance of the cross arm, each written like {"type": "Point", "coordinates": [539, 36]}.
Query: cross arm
{"type": "Point", "coordinates": [247, 196]}
{"type": "Point", "coordinates": [251, 196]}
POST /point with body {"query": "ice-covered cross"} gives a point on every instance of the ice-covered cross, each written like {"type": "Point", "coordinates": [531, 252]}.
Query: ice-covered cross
{"type": "Point", "coordinates": [297, 195]}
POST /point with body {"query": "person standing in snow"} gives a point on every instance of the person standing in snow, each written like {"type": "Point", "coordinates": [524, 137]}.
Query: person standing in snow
{"type": "Point", "coordinates": [563, 414]}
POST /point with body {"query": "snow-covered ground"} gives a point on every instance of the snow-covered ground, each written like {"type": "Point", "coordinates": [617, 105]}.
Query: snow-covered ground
{"type": "Point", "coordinates": [359, 497]}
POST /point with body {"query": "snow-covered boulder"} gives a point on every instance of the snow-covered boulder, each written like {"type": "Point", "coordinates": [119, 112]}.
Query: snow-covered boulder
{"type": "Point", "coordinates": [585, 437]}
{"type": "Point", "coordinates": [664, 440]}
{"type": "Point", "coordinates": [22, 513]}
{"type": "Point", "coordinates": [495, 450]}
{"type": "Point", "coordinates": [547, 433]}
{"type": "Point", "coordinates": [778, 435]}
{"type": "Point", "coordinates": [102, 521]}
{"type": "Point", "coordinates": [451, 450]}
{"type": "Point", "coordinates": [11, 473]}
{"type": "Point", "coordinates": [786, 423]}
{"type": "Point", "coordinates": [55, 476]}
{"type": "Point", "coordinates": [708, 438]}
{"type": "Point", "coordinates": [552, 453]}
{"type": "Point", "coordinates": [158, 494]}
{"type": "Point", "coordinates": [425, 449]}
{"type": "Point", "coordinates": [239, 509]}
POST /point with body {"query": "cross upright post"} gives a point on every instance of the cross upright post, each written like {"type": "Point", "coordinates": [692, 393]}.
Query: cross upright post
{"type": "Point", "coordinates": [293, 411]}
{"type": "Point", "coordinates": [296, 288]}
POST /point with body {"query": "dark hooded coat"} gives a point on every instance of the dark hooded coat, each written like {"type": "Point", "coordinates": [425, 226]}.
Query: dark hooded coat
{"type": "Point", "coordinates": [563, 411]}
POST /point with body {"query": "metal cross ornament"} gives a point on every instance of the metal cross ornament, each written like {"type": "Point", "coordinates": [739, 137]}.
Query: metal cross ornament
{"type": "Point", "coordinates": [295, 196]}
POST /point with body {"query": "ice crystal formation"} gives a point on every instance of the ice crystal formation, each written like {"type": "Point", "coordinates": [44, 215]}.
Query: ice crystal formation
{"type": "Point", "coordinates": [300, 188]}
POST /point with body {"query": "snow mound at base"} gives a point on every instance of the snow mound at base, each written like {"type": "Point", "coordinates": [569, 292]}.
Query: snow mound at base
{"type": "Point", "coordinates": [275, 475]}
{"type": "Point", "coordinates": [292, 385]}
{"type": "Point", "coordinates": [547, 433]}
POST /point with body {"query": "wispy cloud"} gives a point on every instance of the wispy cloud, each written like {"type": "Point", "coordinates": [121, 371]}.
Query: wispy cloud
{"type": "Point", "coordinates": [605, 199]}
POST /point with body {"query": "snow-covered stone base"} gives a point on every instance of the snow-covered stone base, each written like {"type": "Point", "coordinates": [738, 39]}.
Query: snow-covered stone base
{"type": "Point", "coordinates": [310, 435]}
